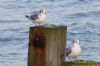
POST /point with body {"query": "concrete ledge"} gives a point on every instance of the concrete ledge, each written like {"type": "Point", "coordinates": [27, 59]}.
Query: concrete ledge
{"type": "Point", "coordinates": [81, 63]}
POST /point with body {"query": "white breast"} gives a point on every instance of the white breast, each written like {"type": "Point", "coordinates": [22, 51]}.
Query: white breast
{"type": "Point", "coordinates": [75, 51]}
{"type": "Point", "coordinates": [41, 18]}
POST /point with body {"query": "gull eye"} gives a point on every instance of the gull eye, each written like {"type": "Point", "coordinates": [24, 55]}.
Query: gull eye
{"type": "Point", "coordinates": [40, 11]}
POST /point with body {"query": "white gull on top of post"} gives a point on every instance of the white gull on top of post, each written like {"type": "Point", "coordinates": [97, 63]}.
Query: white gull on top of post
{"type": "Point", "coordinates": [37, 18]}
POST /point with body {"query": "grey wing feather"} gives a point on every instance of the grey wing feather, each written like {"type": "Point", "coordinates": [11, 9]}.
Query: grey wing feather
{"type": "Point", "coordinates": [34, 17]}
{"type": "Point", "coordinates": [68, 51]}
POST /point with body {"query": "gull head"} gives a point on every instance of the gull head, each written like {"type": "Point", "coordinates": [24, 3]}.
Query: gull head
{"type": "Point", "coordinates": [42, 11]}
{"type": "Point", "coordinates": [76, 41]}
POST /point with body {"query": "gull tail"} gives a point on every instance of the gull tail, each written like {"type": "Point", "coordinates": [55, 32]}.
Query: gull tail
{"type": "Point", "coordinates": [26, 16]}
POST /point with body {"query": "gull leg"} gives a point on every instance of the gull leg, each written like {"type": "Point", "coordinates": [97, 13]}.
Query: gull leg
{"type": "Point", "coordinates": [75, 59]}
{"type": "Point", "coordinates": [70, 59]}
{"type": "Point", "coordinates": [39, 24]}
{"type": "Point", "coordinates": [36, 24]}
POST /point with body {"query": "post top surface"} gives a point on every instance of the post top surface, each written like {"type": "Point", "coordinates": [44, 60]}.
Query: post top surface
{"type": "Point", "coordinates": [49, 26]}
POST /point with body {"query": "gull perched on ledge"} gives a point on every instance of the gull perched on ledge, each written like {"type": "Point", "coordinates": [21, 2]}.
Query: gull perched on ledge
{"type": "Point", "coordinates": [37, 18]}
{"type": "Point", "coordinates": [74, 51]}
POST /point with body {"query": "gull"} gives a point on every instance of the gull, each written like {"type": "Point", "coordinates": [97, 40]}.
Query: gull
{"type": "Point", "coordinates": [37, 18]}
{"type": "Point", "coordinates": [74, 51]}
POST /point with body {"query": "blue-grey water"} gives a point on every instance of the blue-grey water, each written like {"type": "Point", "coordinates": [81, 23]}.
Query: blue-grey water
{"type": "Point", "coordinates": [81, 16]}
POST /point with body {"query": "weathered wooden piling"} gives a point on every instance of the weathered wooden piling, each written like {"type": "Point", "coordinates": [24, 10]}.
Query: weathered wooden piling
{"type": "Point", "coordinates": [47, 45]}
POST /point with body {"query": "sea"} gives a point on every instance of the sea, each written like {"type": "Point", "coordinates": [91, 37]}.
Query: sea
{"type": "Point", "coordinates": [82, 17]}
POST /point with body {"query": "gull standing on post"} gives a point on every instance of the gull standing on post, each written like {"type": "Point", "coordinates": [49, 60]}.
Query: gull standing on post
{"type": "Point", "coordinates": [38, 18]}
{"type": "Point", "coordinates": [74, 51]}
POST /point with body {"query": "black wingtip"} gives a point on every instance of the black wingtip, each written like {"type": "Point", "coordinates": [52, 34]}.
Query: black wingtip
{"type": "Point", "coordinates": [27, 16]}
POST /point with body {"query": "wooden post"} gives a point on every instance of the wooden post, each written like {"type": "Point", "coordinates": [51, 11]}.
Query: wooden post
{"type": "Point", "coordinates": [46, 46]}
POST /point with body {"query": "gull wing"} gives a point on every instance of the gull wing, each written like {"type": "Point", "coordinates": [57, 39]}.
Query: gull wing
{"type": "Point", "coordinates": [68, 51]}
{"type": "Point", "coordinates": [34, 17]}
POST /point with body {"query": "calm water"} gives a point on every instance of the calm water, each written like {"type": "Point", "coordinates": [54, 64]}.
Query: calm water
{"type": "Point", "coordinates": [81, 16]}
